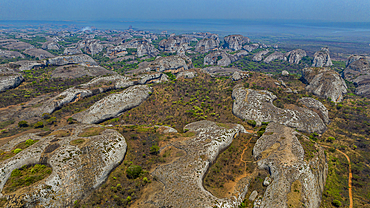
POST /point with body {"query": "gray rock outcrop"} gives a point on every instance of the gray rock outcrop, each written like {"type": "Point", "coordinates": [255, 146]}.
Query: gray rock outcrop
{"type": "Point", "coordinates": [251, 47]}
{"type": "Point", "coordinates": [10, 54]}
{"type": "Point", "coordinates": [358, 72]}
{"type": "Point", "coordinates": [236, 42]}
{"type": "Point", "coordinates": [76, 169]}
{"type": "Point", "coordinates": [91, 46]}
{"type": "Point", "coordinates": [296, 180]}
{"type": "Point", "coordinates": [75, 71]}
{"type": "Point", "coordinates": [182, 178]}
{"type": "Point", "coordinates": [316, 106]}
{"type": "Point", "coordinates": [116, 51]}
{"type": "Point", "coordinates": [274, 56]}
{"type": "Point", "coordinates": [10, 80]}
{"type": "Point", "coordinates": [81, 59]}
{"type": "Point", "coordinates": [172, 44]}
{"type": "Point", "coordinates": [219, 58]}
{"type": "Point", "coordinates": [322, 58]}
{"type": "Point", "coordinates": [50, 45]}
{"type": "Point", "coordinates": [170, 63]}
{"type": "Point", "coordinates": [295, 56]}
{"type": "Point", "coordinates": [324, 83]}
{"type": "Point", "coordinates": [207, 44]}
{"type": "Point", "coordinates": [114, 104]}
{"type": "Point", "coordinates": [259, 55]}
{"type": "Point", "coordinates": [72, 51]}
{"type": "Point", "coordinates": [38, 53]}
{"type": "Point", "coordinates": [186, 74]}
{"type": "Point", "coordinates": [239, 75]}
{"type": "Point", "coordinates": [257, 105]}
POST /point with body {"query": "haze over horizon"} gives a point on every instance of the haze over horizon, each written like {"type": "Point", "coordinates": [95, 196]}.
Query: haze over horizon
{"type": "Point", "coordinates": [92, 10]}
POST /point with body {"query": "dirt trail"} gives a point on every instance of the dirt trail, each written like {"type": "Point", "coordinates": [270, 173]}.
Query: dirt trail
{"type": "Point", "coordinates": [349, 176]}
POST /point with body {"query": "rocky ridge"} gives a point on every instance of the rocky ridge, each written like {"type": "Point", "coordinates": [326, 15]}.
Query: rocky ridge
{"type": "Point", "coordinates": [236, 42]}
{"type": "Point", "coordinates": [358, 71]}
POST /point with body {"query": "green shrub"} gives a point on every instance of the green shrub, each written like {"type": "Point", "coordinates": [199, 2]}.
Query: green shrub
{"type": "Point", "coordinates": [45, 116]}
{"type": "Point", "coordinates": [331, 139]}
{"type": "Point", "coordinates": [154, 149]}
{"type": "Point", "coordinates": [252, 123]}
{"type": "Point", "coordinates": [23, 124]}
{"type": "Point", "coordinates": [16, 151]}
{"type": "Point", "coordinates": [134, 171]}
{"type": "Point", "coordinates": [30, 142]}
{"type": "Point", "coordinates": [337, 203]}
{"type": "Point", "coordinates": [70, 120]}
{"type": "Point", "coordinates": [39, 124]}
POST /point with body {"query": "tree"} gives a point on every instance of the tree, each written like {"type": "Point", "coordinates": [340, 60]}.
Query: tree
{"type": "Point", "coordinates": [23, 124]}
{"type": "Point", "coordinates": [134, 171]}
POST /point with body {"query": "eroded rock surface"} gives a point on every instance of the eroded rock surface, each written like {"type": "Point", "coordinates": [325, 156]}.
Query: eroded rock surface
{"type": "Point", "coordinates": [182, 179]}
{"type": "Point", "coordinates": [72, 51]}
{"type": "Point", "coordinates": [251, 47]}
{"type": "Point", "coordinates": [259, 55]}
{"type": "Point", "coordinates": [274, 56]}
{"type": "Point", "coordinates": [75, 71]}
{"type": "Point", "coordinates": [10, 80]}
{"type": "Point", "coordinates": [114, 104]}
{"type": "Point", "coordinates": [236, 42]}
{"type": "Point", "coordinates": [77, 169]}
{"type": "Point", "coordinates": [257, 105]}
{"type": "Point", "coordinates": [51, 45]}
{"type": "Point", "coordinates": [172, 44]}
{"type": "Point", "coordinates": [358, 72]}
{"type": "Point", "coordinates": [81, 59]}
{"type": "Point", "coordinates": [316, 106]}
{"type": "Point", "coordinates": [295, 56]}
{"type": "Point", "coordinates": [296, 180]}
{"type": "Point", "coordinates": [219, 58]}
{"type": "Point", "coordinates": [207, 44]}
{"type": "Point", "coordinates": [10, 54]}
{"type": "Point", "coordinates": [91, 46]}
{"type": "Point", "coordinates": [39, 53]}
{"type": "Point", "coordinates": [170, 63]}
{"type": "Point", "coordinates": [324, 83]}
{"type": "Point", "coordinates": [186, 74]}
{"type": "Point", "coordinates": [322, 58]}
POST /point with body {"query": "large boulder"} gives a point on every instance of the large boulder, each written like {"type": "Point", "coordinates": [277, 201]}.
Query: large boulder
{"type": "Point", "coordinates": [274, 56]}
{"type": "Point", "coordinates": [325, 83]}
{"type": "Point", "coordinates": [116, 51]}
{"type": "Point", "coordinates": [10, 80]}
{"type": "Point", "coordinates": [172, 44]}
{"type": "Point", "coordinates": [50, 45]}
{"type": "Point", "coordinates": [297, 180]}
{"type": "Point", "coordinates": [219, 58]}
{"type": "Point", "coordinates": [358, 72]}
{"type": "Point", "coordinates": [72, 51]}
{"type": "Point", "coordinates": [77, 168]}
{"type": "Point", "coordinates": [170, 63]}
{"type": "Point", "coordinates": [145, 48]}
{"type": "Point", "coordinates": [235, 42]}
{"type": "Point", "coordinates": [257, 105]}
{"type": "Point", "coordinates": [10, 54]}
{"type": "Point", "coordinates": [81, 59]}
{"type": "Point", "coordinates": [322, 58]}
{"type": "Point", "coordinates": [114, 104]}
{"type": "Point", "coordinates": [207, 44]}
{"type": "Point", "coordinates": [295, 56]}
{"type": "Point", "coordinates": [316, 106]}
{"type": "Point", "coordinates": [183, 177]}
{"type": "Point", "coordinates": [259, 55]}
{"type": "Point", "coordinates": [251, 47]}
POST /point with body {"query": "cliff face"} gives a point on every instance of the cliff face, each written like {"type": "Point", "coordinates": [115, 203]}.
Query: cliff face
{"type": "Point", "coordinates": [274, 56]}
{"type": "Point", "coordinates": [91, 46]}
{"type": "Point", "coordinates": [322, 58]}
{"type": "Point", "coordinates": [10, 80]}
{"type": "Point", "coordinates": [296, 179]}
{"type": "Point", "coordinates": [259, 56]}
{"type": "Point", "coordinates": [295, 56]}
{"type": "Point", "coordinates": [324, 83]}
{"type": "Point", "coordinates": [77, 169]}
{"type": "Point", "coordinates": [358, 72]}
{"type": "Point", "coordinates": [235, 42]}
{"type": "Point", "coordinates": [82, 59]}
{"type": "Point", "coordinates": [257, 105]}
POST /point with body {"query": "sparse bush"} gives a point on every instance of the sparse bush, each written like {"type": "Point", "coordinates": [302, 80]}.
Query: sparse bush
{"type": "Point", "coordinates": [39, 124]}
{"type": "Point", "coordinates": [252, 123]}
{"type": "Point", "coordinates": [337, 203]}
{"type": "Point", "coordinates": [45, 116]}
{"type": "Point", "coordinates": [16, 151]}
{"type": "Point", "coordinates": [23, 124]}
{"type": "Point", "coordinates": [154, 149]}
{"type": "Point", "coordinates": [331, 139]}
{"type": "Point", "coordinates": [134, 171]}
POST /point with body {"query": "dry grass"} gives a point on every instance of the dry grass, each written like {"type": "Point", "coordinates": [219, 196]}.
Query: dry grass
{"type": "Point", "coordinates": [93, 131]}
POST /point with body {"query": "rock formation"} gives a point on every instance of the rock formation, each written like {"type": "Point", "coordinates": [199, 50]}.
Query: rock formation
{"type": "Point", "coordinates": [10, 80]}
{"type": "Point", "coordinates": [324, 83]}
{"type": "Point", "coordinates": [257, 105]}
{"type": "Point", "coordinates": [10, 54]}
{"type": "Point", "coordinates": [116, 51]}
{"type": "Point", "coordinates": [296, 181]}
{"type": "Point", "coordinates": [235, 42]}
{"type": "Point", "coordinates": [172, 44]}
{"type": "Point", "coordinates": [82, 59]}
{"type": "Point", "coordinates": [182, 178]}
{"type": "Point", "coordinates": [251, 47]}
{"type": "Point", "coordinates": [72, 51]}
{"type": "Point", "coordinates": [220, 71]}
{"type": "Point", "coordinates": [145, 48]}
{"type": "Point", "coordinates": [259, 55]}
{"type": "Point", "coordinates": [295, 56]}
{"type": "Point", "coordinates": [207, 44]}
{"type": "Point", "coordinates": [239, 75]}
{"type": "Point", "coordinates": [186, 74]}
{"type": "Point", "coordinates": [50, 45]}
{"type": "Point", "coordinates": [358, 72]}
{"type": "Point", "coordinates": [91, 46]}
{"type": "Point", "coordinates": [219, 58]}
{"type": "Point", "coordinates": [114, 104]}
{"type": "Point", "coordinates": [274, 56]}
{"type": "Point", "coordinates": [322, 58]}
{"type": "Point", "coordinates": [38, 53]}
{"type": "Point", "coordinates": [77, 169]}
{"type": "Point", "coordinates": [170, 63]}
{"type": "Point", "coordinates": [316, 106]}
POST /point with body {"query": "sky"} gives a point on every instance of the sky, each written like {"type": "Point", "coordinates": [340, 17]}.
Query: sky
{"type": "Point", "coordinates": [116, 10]}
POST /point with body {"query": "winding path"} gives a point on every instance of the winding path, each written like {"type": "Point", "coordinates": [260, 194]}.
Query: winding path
{"type": "Point", "coordinates": [349, 176]}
